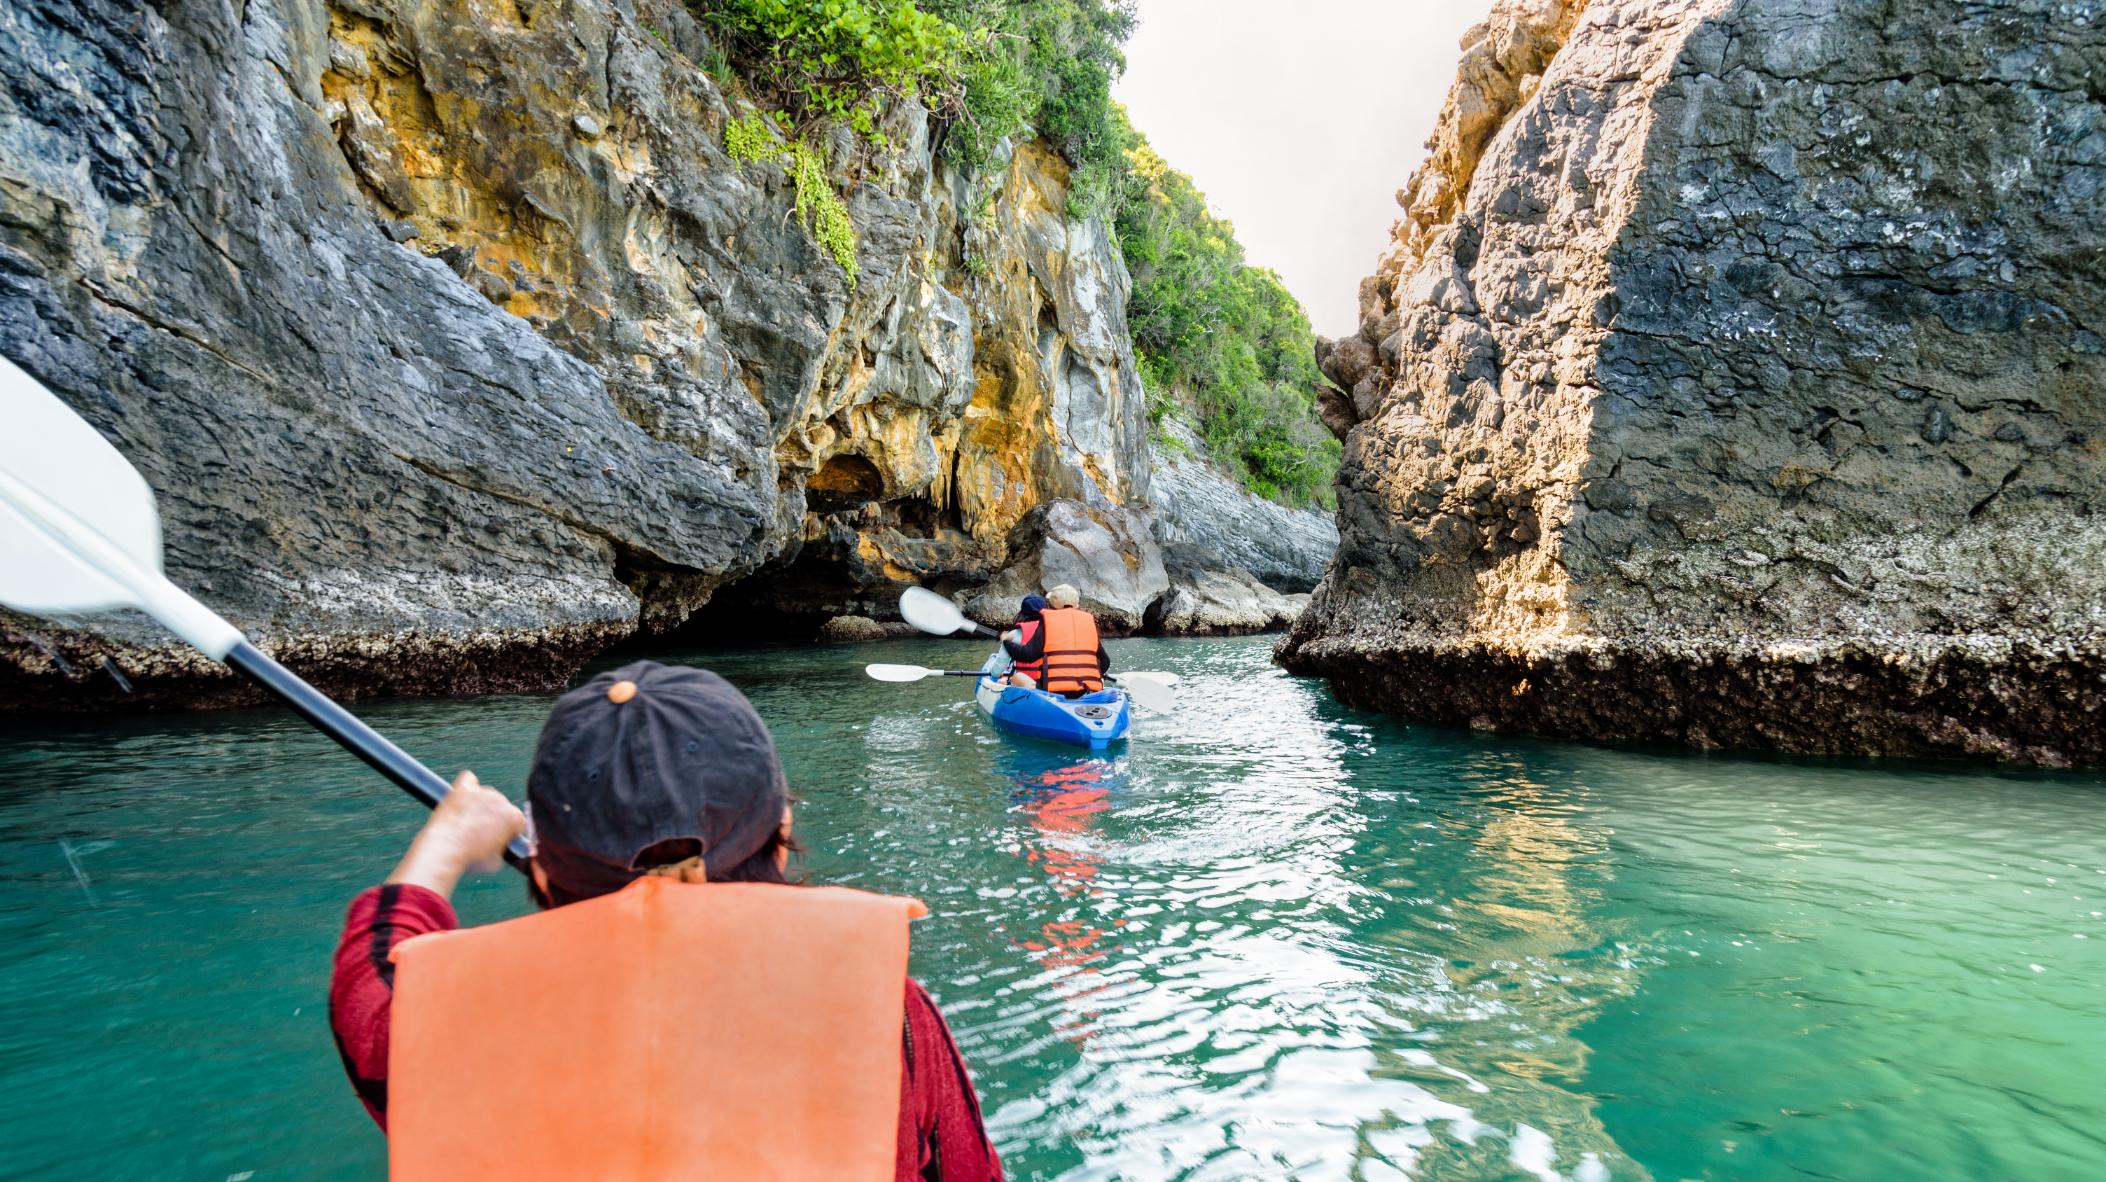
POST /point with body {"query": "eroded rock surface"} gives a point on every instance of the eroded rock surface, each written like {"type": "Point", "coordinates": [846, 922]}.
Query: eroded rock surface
{"type": "Point", "coordinates": [1735, 377]}
{"type": "Point", "coordinates": [1110, 556]}
{"type": "Point", "coordinates": [1222, 603]}
{"type": "Point", "coordinates": [1208, 522]}
{"type": "Point", "coordinates": [456, 348]}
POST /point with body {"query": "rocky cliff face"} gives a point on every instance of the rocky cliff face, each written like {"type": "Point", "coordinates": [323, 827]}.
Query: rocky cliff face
{"type": "Point", "coordinates": [1735, 377]}
{"type": "Point", "coordinates": [457, 348]}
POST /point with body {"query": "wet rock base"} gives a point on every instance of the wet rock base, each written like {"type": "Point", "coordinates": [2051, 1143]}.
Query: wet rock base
{"type": "Point", "coordinates": [77, 672]}
{"type": "Point", "coordinates": [2019, 703]}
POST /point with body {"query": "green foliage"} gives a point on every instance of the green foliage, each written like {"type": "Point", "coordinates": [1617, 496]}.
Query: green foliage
{"type": "Point", "coordinates": [988, 70]}
{"type": "Point", "coordinates": [1219, 340]}
{"type": "Point", "coordinates": [751, 138]}
{"type": "Point", "coordinates": [825, 217]}
{"type": "Point", "coordinates": [717, 64]}
{"type": "Point", "coordinates": [838, 60]}
{"type": "Point", "coordinates": [1045, 66]}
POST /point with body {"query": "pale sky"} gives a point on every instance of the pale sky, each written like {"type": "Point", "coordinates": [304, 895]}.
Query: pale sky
{"type": "Point", "coordinates": [1299, 121]}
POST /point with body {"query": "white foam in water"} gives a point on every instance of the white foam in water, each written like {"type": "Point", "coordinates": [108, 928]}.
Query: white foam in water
{"type": "Point", "coordinates": [1531, 1152]}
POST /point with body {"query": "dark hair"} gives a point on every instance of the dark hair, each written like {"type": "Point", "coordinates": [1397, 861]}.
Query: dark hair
{"type": "Point", "coordinates": [1030, 609]}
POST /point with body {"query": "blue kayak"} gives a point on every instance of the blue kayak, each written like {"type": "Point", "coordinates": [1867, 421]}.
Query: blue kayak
{"type": "Point", "coordinates": [1092, 720]}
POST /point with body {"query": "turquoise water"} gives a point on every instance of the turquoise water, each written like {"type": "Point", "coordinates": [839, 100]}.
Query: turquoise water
{"type": "Point", "coordinates": [1272, 938]}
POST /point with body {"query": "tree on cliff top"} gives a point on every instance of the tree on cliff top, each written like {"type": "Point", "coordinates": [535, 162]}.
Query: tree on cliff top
{"type": "Point", "coordinates": [1221, 342]}
{"type": "Point", "coordinates": [988, 70]}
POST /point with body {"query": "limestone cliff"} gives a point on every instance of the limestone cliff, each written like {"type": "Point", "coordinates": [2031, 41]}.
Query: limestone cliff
{"type": "Point", "coordinates": [1735, 377]}
{"type": "Point", "coordinates": [456, 347]}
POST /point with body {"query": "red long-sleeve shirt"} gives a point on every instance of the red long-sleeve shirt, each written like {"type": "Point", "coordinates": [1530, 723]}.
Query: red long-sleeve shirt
{"type": "Point", "coordinates": [941, 1136]}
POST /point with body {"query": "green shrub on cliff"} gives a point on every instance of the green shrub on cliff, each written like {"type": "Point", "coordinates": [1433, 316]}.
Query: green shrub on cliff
{"type": "Point", "coordinates": [1221, 342]}
{"type": "Point", "coordinates": [841, 60]}
{"type": "Point", "coordinates": [825, 217]}
{"type": "Point", "coordinates": [749, 139]}
{"type": "Point", "coordinates": [1045, 67]}
{"type": "Point", "coordinates": [987, 70]}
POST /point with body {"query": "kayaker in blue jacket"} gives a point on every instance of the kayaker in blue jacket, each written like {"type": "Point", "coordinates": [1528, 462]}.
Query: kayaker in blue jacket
{"type": "Point", "coordinates": [1079, 629]}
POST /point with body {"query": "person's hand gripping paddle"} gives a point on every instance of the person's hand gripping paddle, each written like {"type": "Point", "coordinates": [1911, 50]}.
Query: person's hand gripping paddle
{"type": "Point", "coordinates": [79, 534]}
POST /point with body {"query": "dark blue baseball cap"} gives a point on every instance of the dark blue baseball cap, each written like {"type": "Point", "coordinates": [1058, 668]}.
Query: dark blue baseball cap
{"type": "Point", "coordinates": [644, 754]}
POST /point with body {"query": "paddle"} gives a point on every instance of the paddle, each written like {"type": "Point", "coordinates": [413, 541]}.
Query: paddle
{"type": "Point", "coordinates": [79, 533]}
{"type": "Point", "coordinates": [934, 614]}
{"type": "Point", "coordinates": [914, 672]}
{"type": "Point", "coordinates": [1145, 690]}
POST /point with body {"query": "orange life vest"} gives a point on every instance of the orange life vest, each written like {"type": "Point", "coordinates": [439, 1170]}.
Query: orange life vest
{"type": "Point", "coordinates": [1071, 652]}
{"type": "Point", "coordinates": [1031, 669]}
{"type": "Point", "coordinates": [666, 1031]}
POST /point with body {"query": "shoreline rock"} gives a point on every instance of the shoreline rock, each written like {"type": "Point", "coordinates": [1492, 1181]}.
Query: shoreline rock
{"type": "Point", "coordinates": [65, 673]}
{"type": "Point", "coordinates": [1221, 603]}
{"type": "Point", "coordinates": [1731, 380]}
{"type": "Point", "coordinates": [1929, 697]}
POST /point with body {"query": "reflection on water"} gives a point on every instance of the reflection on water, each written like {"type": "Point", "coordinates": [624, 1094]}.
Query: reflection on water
{"type": "Point", "coordinates": [1059, 804]}
{"type": "Point", "coordinates": [1269, 938]}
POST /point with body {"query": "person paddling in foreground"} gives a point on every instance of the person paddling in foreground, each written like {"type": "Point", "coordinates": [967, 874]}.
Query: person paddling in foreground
{"type": "Point", "coordinates": [647, 770]}
{"type": "Point", "coordinates": [1064, 649]}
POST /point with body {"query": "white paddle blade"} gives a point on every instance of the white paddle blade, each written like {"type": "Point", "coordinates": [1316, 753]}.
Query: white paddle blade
{"type": "Point", "coordinates": [78, 531]}
{"type": "Point", "coordinates": [930, 612]}
{"type": "Point", "coordinates": [1148, 692]}
{"type": "Point", "coordinates": [1153, 675]}
{"type": "Point", "coordinates": [53, 465]}
{"type": "Point", "coordinates": [897, 672]}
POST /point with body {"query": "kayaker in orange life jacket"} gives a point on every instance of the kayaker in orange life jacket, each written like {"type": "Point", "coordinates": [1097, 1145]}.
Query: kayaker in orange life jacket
{"type": "Point", "coordinates": [646, 770]}
{"type": "Point", "coordinates": [1065, 647]}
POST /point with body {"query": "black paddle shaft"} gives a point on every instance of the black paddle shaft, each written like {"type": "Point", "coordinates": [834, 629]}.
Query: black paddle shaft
{"type": "Point", "coordinates": [355, 736]}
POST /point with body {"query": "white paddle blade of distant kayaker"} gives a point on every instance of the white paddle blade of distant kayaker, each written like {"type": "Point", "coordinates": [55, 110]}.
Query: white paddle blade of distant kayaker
{"type": "Point", "coordinates": [78, 530]}
{"type": "Point", "coordinates": [914, 672]}
{"type": "Point", "coordinates": [934, 614]}
{"type": "Point", "coordinates": [1146, 691]}
{"type": "Point", "coordinates": [79, 533]}
{"type": "Point", "coordinates": [899, 672]}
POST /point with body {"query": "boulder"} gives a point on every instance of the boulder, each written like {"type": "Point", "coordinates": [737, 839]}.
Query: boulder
{"type": "Point", "coordinates": [1109, 556]}
{"type": "Point", "coordinates": [849, 629]}
{"type": "Point", "coordinates": [1221, 603]}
